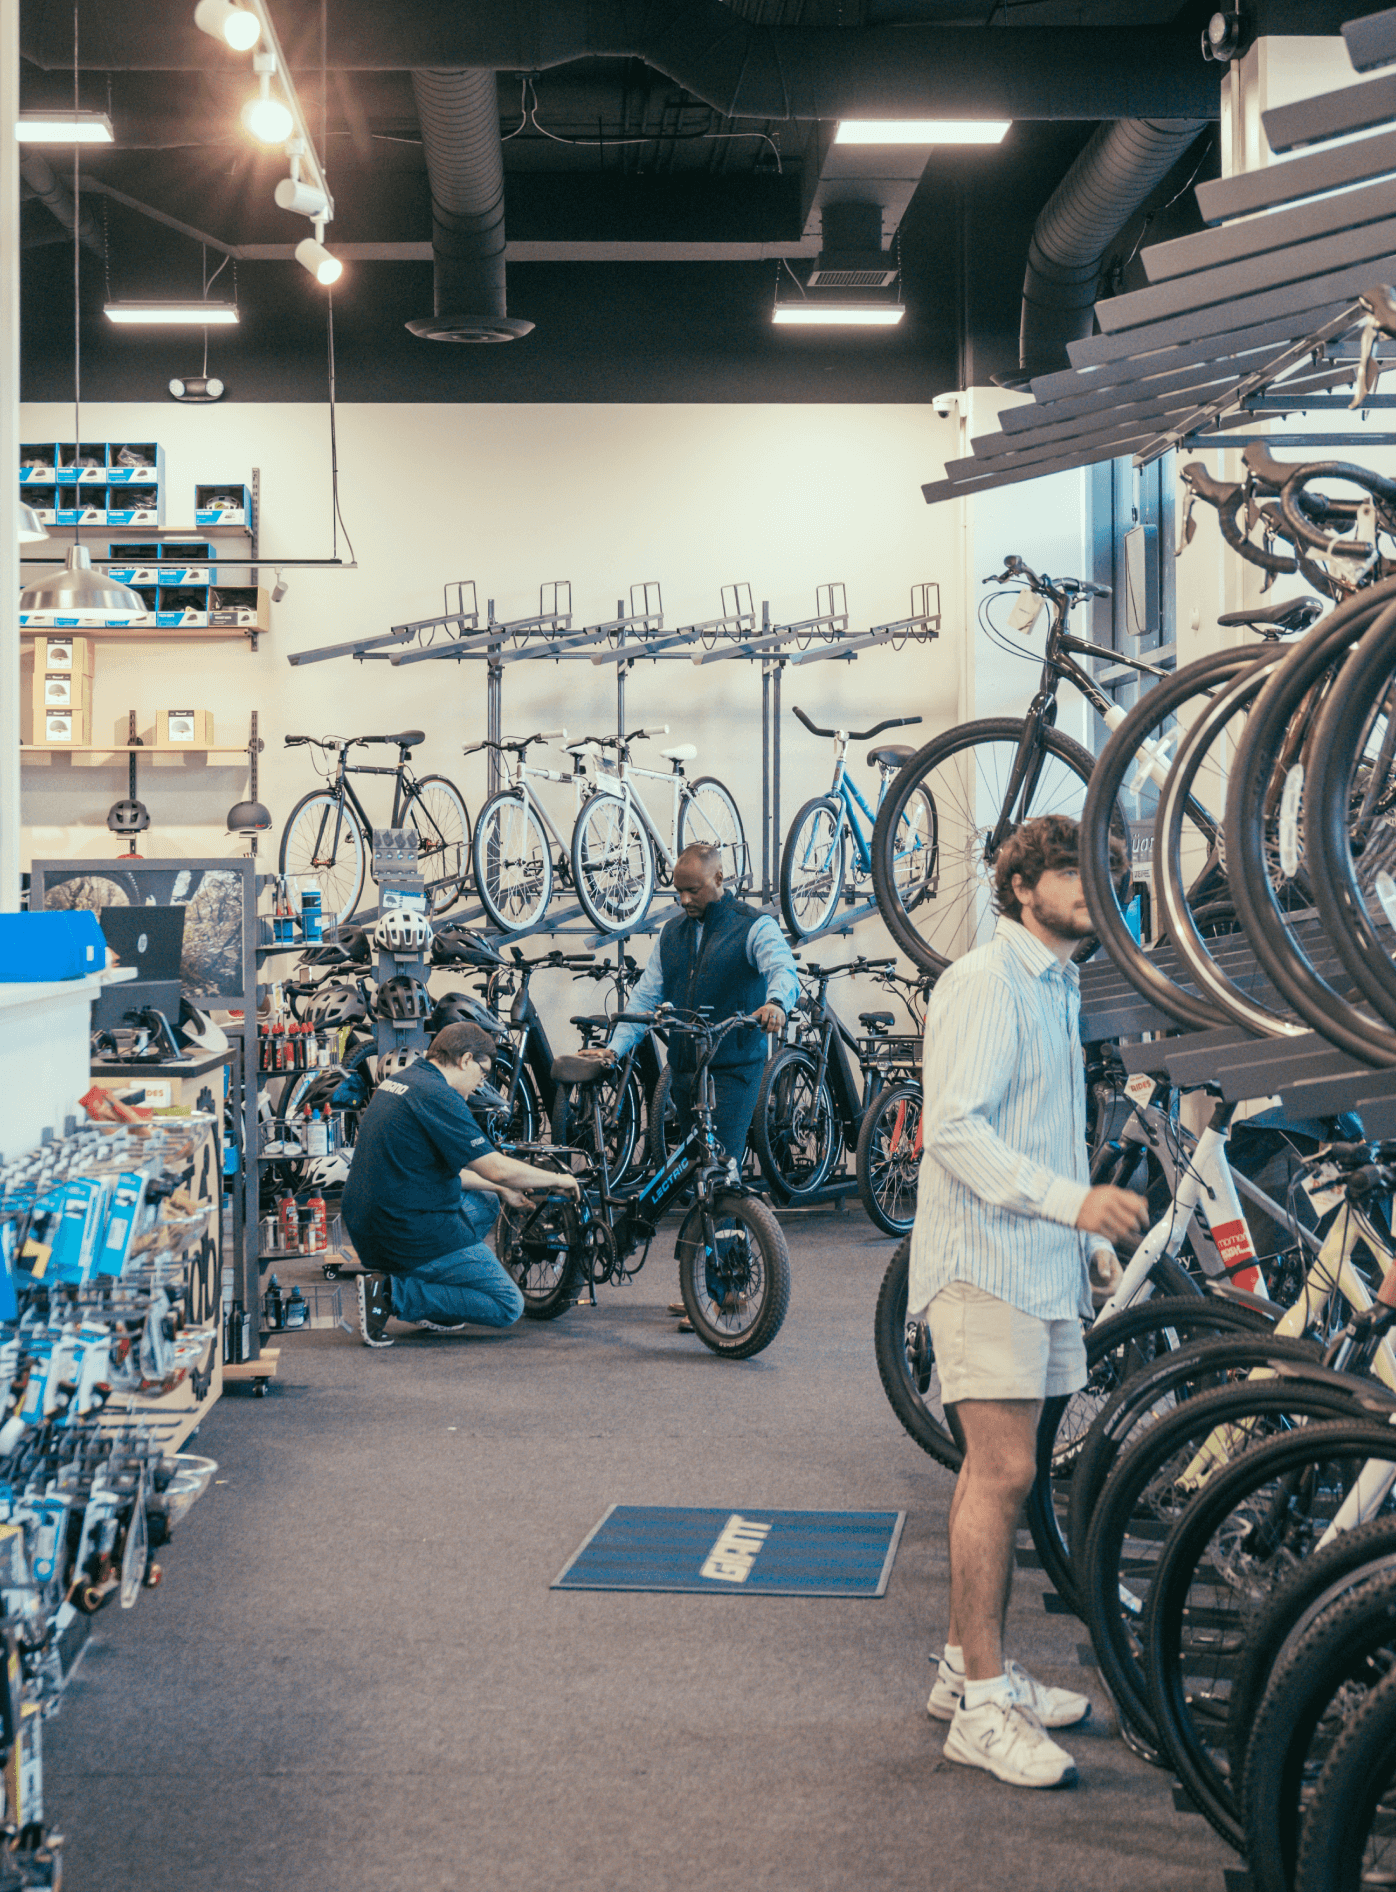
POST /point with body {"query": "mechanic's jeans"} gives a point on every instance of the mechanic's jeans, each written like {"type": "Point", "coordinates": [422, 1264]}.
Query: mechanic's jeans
{"type": "Point", "coordinates": [734, 1107]}
{"type": "Point", "coordinates": [468, 1284]}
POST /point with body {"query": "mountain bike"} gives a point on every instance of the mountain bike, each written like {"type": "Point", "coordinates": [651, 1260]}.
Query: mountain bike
{"type": "Point", "coordinates": [734, 1267]}
{"type": "Point", "coordinates": [619, 852]}
{"type": "Point", "coordinates": [516, 845]}
{"type": "Point", "coordinates": [983, 779]}
{"type": "Point", "coordinates": [328, 837]}
{"type": "Point", "coordinates": [814, 862]}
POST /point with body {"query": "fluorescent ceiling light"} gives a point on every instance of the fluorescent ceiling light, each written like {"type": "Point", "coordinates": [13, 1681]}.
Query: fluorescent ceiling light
{"type": "Point", "coordinates": [921, 131]}
{"type": "Point", "coordinates": [64, 128]}
{"type": "Point", "coordinates": [194, 313]}
{"type": "Point", "coordinates": [879, 314]}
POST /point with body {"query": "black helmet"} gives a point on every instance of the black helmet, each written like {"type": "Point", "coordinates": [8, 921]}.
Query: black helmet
{"type": "Point", "coordinates": [403, 1000]}
{"type": "Point", "coordinates": [358, 943]}
{"type": "Point", "coordinates": [128, 817]}
{"type": "Point", "coordinates": [458, 1008]}
{"type": "Point", "coordinates": [458, 946]}
{"type": "Point", "coordinates": [336, 1004]}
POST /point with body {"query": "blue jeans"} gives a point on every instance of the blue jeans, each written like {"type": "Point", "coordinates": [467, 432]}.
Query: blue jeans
{"type": "Point", "coordinates": [467, 1284]}
{"type": "Point", "coordinates": [734, 1104]}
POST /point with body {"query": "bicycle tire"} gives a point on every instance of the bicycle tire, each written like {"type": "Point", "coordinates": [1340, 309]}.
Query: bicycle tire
{"type": "Point", "coordinates": [541, 1250]}
{"type": "Point", "coordinates": [795, 1128]}
{"type": "Point", "coordinates": [709, 815]}
{"type": "Point", "coordinates": [444, 860]}
{"type": "Point", "coordinates": [886, 1163]}
{"type": "Point", "coordinates": [340, 896]}
{"type": "Point", "coordinates": [912, 1387]}
{"type": "Point", "coordinates": [662, 1119]}
{"type": "Point", "coordinates": [966, 918]}
{"type": "Point", "coordinates": [763, 1277]}
{"type": "Point", "coordinates": [523, 1121]}
{"type": "Point", "coordinates": [1316, 1663]}
{"type": "Point", "coordinates": [1145, 723]}
{"type": "Point", "coordinates": [809, 890]}
{"type": "Point", "coordinates": [1186, 1715]}
{"type": "Point", "coordinates": [1115, 1608]}
{"type": "Point", "coordinates": [573, 1127]}
{"type": "Point", "coordinates": [914, 847]}
{"type": "Point", "coordinates": [1247, 820]}
{"type": "Point", "coordinates": [612, 863]}
{"type": "Point", "coordinates": [513, 862]}
{"type": "Point", "coordinates": [1347, 1804]}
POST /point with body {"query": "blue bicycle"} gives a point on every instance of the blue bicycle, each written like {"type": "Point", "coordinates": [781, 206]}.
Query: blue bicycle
{"type": "Point", "coordinates": [815, 863]}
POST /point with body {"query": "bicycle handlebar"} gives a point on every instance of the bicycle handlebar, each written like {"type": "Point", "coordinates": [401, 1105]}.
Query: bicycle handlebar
{"type": "Point", "coordinates": [857, 735]}
{"type": "Point", "coordinates": [518, 743]}
{"type": "Point", "coordinates": [1045, 587]}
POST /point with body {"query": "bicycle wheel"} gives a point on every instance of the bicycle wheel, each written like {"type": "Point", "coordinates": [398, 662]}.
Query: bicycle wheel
{"type": "Point", "coordinates": [1145, 742]}
{"type": "Point", "coordinates": [795, 1129]}
{"type": "Point", "coordinates": [438, 812]}
{"type": "Point", "coordinates": [964, 776]}
{"type": "Point", "coordinates": [1149, 1490]}
{"type": "Point", "coordinates": [612, 863]}
{"type": "Point", "coordinates": [662, 1121]}
{"type": "Point", "coordinates": [322, 841]}
{"type": "Point", "coordinates": [812, 866]}
{"type": "Point", "coordinates": [1321, 1678]}
{"type": "Point", "coordinates": [906, 1366]}
{"type": "Point", "coordinates": [513, 863]}
{"type": "Point", "coordinates": [542, 1249]}
{"type": "Point", "coordinates": [1348, 1839]}
{"type": "Point", "coordinates": [708, 816]}
{"type": "Point", "coordinates": [622, 1115]}
{"type": "Point", "coordinates": [525, 1115]}
{"type": "Point", "coordinates": [736, 1283]}
{"type": "Point", "coordinates": [888, 1159]}
{"type": "Point", "coordinates": [914, 847]}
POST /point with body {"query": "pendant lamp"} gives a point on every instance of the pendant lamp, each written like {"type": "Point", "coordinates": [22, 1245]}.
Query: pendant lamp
{"type": "Point", "coordinates": [31, 531]}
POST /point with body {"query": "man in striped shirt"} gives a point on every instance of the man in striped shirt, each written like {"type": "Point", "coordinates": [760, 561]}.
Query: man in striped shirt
{"type": "Point", "coordinates": [1006, 1219]}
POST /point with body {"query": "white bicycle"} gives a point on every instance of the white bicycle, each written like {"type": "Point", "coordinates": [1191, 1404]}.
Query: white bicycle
{"type": "Point", "coordinates": [618, 850]}
{"type": "Point", "coordinates": [515, 839]}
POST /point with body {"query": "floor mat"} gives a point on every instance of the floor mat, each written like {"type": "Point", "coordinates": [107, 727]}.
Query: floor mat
{"type": "Point", "coordinates": [754, 1552]}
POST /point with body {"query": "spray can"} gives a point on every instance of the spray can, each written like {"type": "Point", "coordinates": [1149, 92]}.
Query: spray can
{"type": "Point", "coordinates": [288, 1222]}
{"type": "Point", "coordinates": [319, 1226]}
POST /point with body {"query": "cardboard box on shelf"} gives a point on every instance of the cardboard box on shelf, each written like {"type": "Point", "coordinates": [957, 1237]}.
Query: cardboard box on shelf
{"type": "Point", "coordinates": [63, 729]}
{"type": "Point", "coordinates": [247, 606]}
{"type": "Point", "coordinates": [63, 689]}
{"type": "Point", "coordinates": [38, 461]}
{"type": "Point", "coordinates": [188, 728]}
{"type": "Point", "coordinates": [63, 653]}
{"type": "Point", "coordinates": [134, 506]}
{"type": "Point", "coordinates": [86, 462]}
{"type": "Point", "coordinates": [43, 499]}
{"type": "Point", "coordinates": [134, 463]}
{"type": "Point", "coordinates": [226, 505]}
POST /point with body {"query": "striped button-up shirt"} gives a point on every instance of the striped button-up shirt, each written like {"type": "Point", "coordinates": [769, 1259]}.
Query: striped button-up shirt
{"type": "Point", "coordinates": [1004, 1171]}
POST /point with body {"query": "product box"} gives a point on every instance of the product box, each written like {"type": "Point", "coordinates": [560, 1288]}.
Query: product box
{"type": "Point", "coordinates": [181, 604]}
{"type": "Point", "coordinates": [93, 510]}
{"type": "Point", "coordinates": [61, 690]}
{"type": "Point", "coordinates": [185, 728]}
{"type": "Point", "coordinates": [134, 463]}
{"type": "Point", "coordinates": [63, 729]}
{"type": "Point", "coordinates": [247, 606]}
{"type": "Point", "coordinates": [134, 506]}
{"type": "Point", "coordinates": [87, 462]}
{"type": "Point", "coordinates": [228, 505]}
{"type": "Point", "coordinates": [74, 654]}
{"type": "Point", "coordinates": [43, 500]}
{"type": "Point", "coordinates": [68, 511]}
{"type": "Point", "coordinates": [38, 462]}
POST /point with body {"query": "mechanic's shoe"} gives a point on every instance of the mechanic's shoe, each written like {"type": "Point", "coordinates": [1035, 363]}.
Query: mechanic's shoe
{"type": "Point", "coordinates": [1054, 1707]}
{"type": "Point", "coordinates": [442, 1326]}
{"type": "Point", "coordinates": [375, 1308]}
{"type": "Point", "coordinates": [1008, 1741]}
{"type": "Point", "coordinates": [678, 1309]}
{"type": "Point", "coordinates": [685, 1326]}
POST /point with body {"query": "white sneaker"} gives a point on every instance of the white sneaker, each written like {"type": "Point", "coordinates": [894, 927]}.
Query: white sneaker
{"type": "Point", "coordinates": [1054, 1707]}
{"type": "Point", "coordinates": [1008, 1741]}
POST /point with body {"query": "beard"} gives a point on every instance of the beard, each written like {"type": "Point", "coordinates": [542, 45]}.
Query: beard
{"type": "Point", "coordinates": [1065, 923]}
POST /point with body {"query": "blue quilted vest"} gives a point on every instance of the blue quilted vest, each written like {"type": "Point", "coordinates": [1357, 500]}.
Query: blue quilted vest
{"type": "Point", "coordinates": [716, 975]}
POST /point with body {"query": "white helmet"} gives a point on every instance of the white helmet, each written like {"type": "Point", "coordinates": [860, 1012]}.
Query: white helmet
{"type": "Point", "coordinates": [329, 1172]}
{"type": "Point", "coordinates": [402, 930]}
{"type": "Point", "coordinates": [392, 1062]}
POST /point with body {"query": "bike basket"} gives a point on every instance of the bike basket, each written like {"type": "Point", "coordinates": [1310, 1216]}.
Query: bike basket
{"type": "Point", "coordinates": [890, 1052]}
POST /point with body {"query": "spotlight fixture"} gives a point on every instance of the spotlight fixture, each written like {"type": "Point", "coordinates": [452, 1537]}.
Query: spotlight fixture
{"type": "Point", "coordinates": [1221, 38]}
{"type": "Point", "coordinates": [63, 128]}
{"type": "Point", "coordinates": [305, 199]}
{"type": "Point", "coordinates": [868, 314]}
{"type": "Point", "coordinates": [197, 387]}
{"type": "Point", "coordinates": [311, 254]}
{"type": "Point", "coordinates": [921, 131]}
{"type": "Point", "coordinates": [279, 589]}
{"type": "Point", "coordinates": [236, 26]}
{"type": "Point", "coordinates": [268, 119]}
{"type": "Point", "coordinates": [193, 313]}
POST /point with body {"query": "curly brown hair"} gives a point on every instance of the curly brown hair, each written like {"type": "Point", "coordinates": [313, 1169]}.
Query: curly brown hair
{"type": "Point", "coordinates": [1031, 850]}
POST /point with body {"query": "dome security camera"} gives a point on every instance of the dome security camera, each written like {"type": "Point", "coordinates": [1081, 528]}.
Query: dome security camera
{"type": "Point", "coordinates": [945, 405]}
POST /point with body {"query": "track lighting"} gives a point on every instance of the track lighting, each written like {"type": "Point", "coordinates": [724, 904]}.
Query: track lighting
{"type": "Point", "coordinates": [279, 589]}
{"type": "Point", "coordinates": [63, 128]}
{"type": "Point", "coordinates": [305, 199]}
{"type": "Point", "coordinates": [311, 254]}
{"type": "Point", "coordinates": [268, 119]}
{"type": "Point", "coordinates": [236, 26]}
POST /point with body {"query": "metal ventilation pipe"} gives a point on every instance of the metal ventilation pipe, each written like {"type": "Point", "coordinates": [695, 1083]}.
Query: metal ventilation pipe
{"type": "Point", "coordinates": [42, 180]}
{"type": "Point", "coordinates": [459, 113]}
{"type": "Point", "coordinates": [1108, 182]}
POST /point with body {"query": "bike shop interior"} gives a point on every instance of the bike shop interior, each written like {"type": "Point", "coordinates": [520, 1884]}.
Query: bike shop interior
{"type": "Point", "coordinates": [696, 401]}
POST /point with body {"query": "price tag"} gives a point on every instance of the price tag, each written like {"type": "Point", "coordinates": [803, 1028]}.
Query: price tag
{"type": "Point", "coordinates": [1140, 1089]}
{"type": "Point", "coordinates": [1318, 1187]}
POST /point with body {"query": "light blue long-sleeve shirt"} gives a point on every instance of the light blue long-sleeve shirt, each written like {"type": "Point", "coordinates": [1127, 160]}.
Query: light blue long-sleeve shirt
{"type": "Point", "coordinates": [767, 950]}
{"type": "Point", "coordinates": [1004, 1170]}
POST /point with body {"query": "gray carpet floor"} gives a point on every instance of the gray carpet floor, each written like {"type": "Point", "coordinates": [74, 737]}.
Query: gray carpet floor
{"type": "Point", "coordinates": [356, 1678]}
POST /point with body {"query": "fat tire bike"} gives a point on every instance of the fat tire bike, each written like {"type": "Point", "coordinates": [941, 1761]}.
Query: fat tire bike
{"type": "Point", "coordinates": [329, 837]}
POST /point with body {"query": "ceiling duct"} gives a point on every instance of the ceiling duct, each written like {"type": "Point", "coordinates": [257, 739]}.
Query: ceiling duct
{"type": "Point", "coordinates": [459, 114]}
{"type": "Point", "coordinates": [43, 181]}
{"type": "Point", "coordinates": [852, 256]}
{"type": "Point", "coordinates": [1118, 168]}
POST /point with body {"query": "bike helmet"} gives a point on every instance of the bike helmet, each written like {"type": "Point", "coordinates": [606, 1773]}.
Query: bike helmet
{"type": "Point", "coordinates": [197, 1028]}
{"type": "Point", "coordinates": [458, 1008]}
{"type": "Point", "coordinates": [401, 930]}
{"type": "Point", "coordinates": [392, 1062]}
{"type": "Point", "coordinates": [356, 942]}
{"type": "Point", "coordinates": [336, 1004]}
{"type": "Point", "coordinates": [403, 1001]}
{"type": "Point", "coordinates": [128, 817]}
{"type": "Point", "coordinates": [328, 1172]}
{"type": "Point", "coordinates": [457, 946]}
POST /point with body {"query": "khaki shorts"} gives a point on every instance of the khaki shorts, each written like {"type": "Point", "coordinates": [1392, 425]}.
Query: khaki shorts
{"type": "Point", "coordinates": [987, 1349]}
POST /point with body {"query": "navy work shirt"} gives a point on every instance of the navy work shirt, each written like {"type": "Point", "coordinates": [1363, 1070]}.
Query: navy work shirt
{"type": "Point", "coordinates": [402, 1201]}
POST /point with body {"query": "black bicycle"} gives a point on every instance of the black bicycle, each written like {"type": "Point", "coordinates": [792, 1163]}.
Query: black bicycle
{"type": "Point", "coordinates": [734, 1267]}
{"type": "Point", "coordinates": [983, 779]}
{"type": "Point", "coordinates": [633, 1093]}
{"type": "Point", "coordinates": [329, 836]}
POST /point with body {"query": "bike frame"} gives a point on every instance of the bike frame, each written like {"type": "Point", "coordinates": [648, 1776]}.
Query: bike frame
{"type": "Point", "coordinates": [516, 782]}
{"type": "Point", "coordinates": [405, 793]}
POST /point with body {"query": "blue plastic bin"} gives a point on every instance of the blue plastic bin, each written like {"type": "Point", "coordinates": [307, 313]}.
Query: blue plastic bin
{"type": "Point", "coordinates": [35, 947]}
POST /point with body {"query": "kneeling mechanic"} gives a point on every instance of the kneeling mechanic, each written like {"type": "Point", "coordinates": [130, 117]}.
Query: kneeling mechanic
{"type": "Point", "coordinates": [424, 1190]}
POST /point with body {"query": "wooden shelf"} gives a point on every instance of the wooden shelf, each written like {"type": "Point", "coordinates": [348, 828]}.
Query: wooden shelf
{"type": "Point", "coordinates": [94, 755]}
{"type": "Point", "coordinates": [148, 633]}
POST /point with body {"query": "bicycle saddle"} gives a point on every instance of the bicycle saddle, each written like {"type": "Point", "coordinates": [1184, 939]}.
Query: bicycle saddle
{"type": "Point", "coordinates": [891, 755]}
{"type": "Point", "coordinates": [578, 1070]}
{"type": "Point", "coordinates": [599, 1019]}
{"type": "Point", "coordinates": [877, 1021]}
{"type": "Point", "coordinates": [405, 739]}
{"type": "Point", "coordinates": [1295, 614]}
{"type": "Point", "coordinates": [681, 752]}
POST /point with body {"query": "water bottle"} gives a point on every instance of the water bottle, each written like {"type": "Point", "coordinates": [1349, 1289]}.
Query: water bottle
{"type": "Point", "coordinates": [310, 910]}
